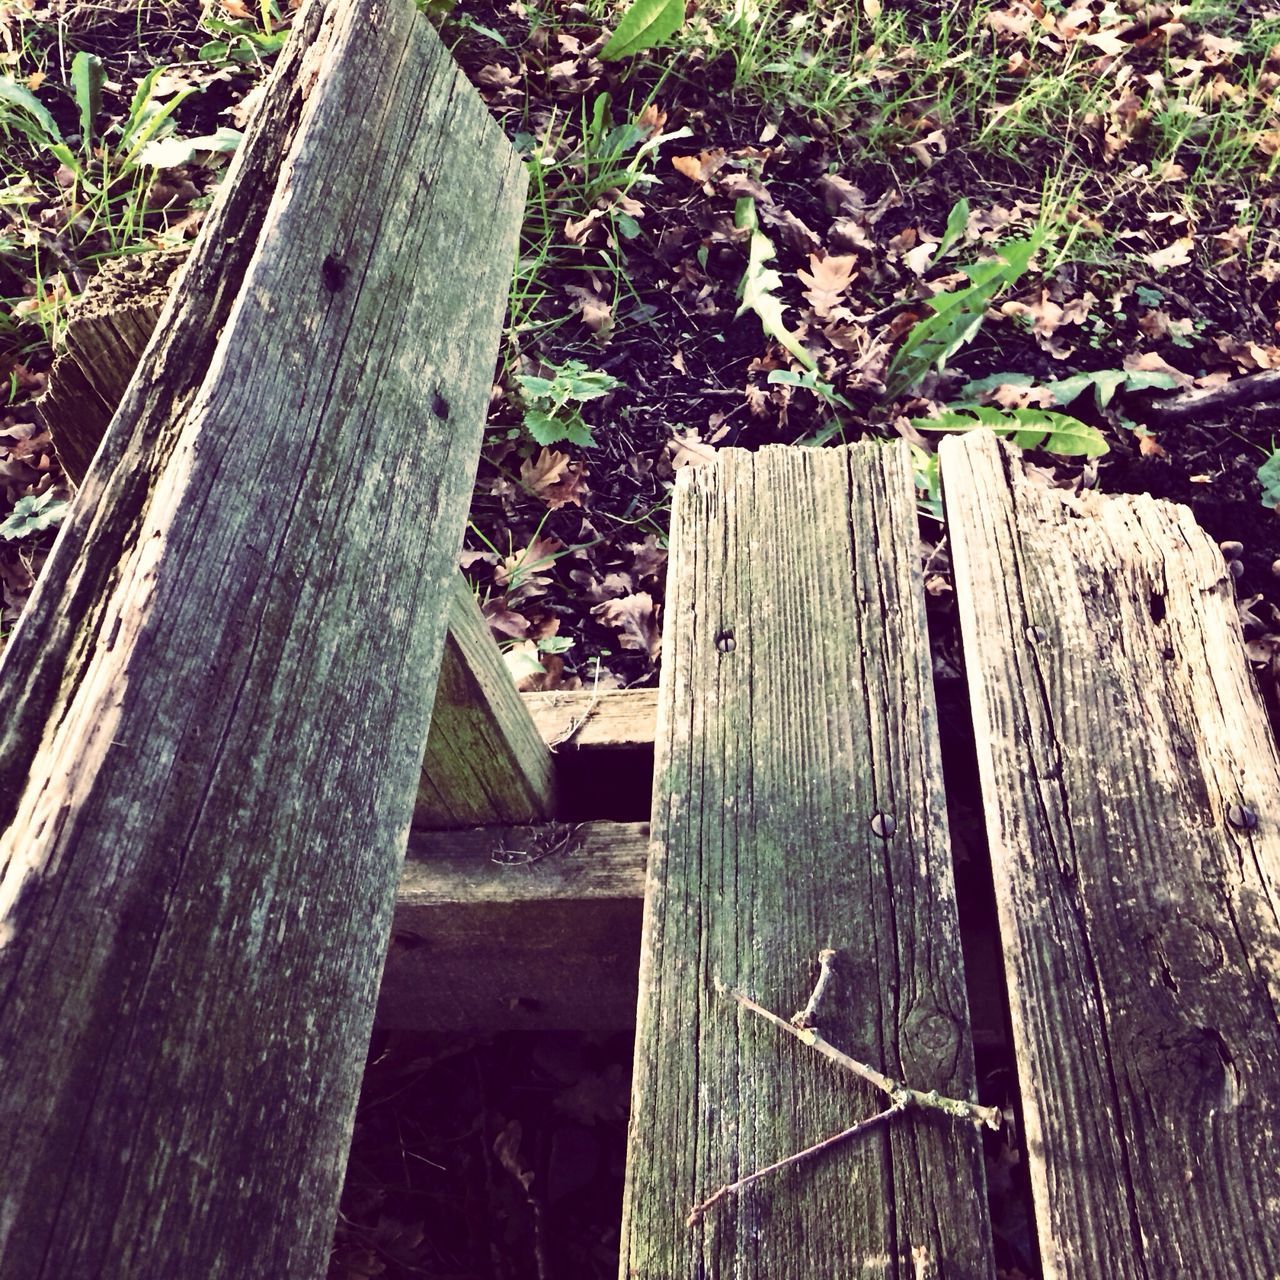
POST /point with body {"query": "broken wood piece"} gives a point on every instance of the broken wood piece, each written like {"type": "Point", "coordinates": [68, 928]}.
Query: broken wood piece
{"type": "Point", "coordinates": [1132, 794]}
{"type": "Point", "coordinates": [798, 805]}
{"type": "Point", "coordinates": [219, 696]}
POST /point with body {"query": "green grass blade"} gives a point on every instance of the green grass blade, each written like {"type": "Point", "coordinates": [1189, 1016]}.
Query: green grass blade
{"type": "Point", "coordinates": [87, 78]}
{"type": "Point", "coordinates": [13, 94]}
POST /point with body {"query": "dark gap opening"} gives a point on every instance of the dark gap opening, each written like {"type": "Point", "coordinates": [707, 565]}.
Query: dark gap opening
{"type": "Point", "coordinates": [1157, 606]}
{"type": "Point", "coordinates": [1008, 1178]}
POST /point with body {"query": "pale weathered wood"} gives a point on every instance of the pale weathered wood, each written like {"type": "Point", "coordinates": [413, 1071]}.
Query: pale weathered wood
{"type": "Point", "coordinates": [222, 690]}
{"type": "Point", "coordinates": [518, 927]}
{"type": "Point", "coordinates": [1123, 748]}
{"type": "Point", "coordinates": [577, 719]}
{"type": "Point", "coordinates": [108, 329]}
{"type": "Point", "coordinates": [796, 706]}
{"type": "Point", "coordinates": [486, 761]}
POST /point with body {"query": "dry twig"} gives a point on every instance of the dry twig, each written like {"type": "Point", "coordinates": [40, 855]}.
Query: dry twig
{"type": "Point", "coordinates": [901, 1097]}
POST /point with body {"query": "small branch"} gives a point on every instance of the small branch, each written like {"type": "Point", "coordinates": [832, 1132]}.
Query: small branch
{"type": "Point", "coordinates": [956, 1108]}
{"type": "Point", "coordinates": [853, 1131]}
{"type": "Point", "coordinates": [567, 735]}
{"type": "Point", "coordinates": [808, 1016]}
{"type": "Point", "coordinates": [1188, 406]}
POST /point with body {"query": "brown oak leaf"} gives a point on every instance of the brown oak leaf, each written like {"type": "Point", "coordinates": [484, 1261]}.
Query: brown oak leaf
{"type": "Point", "coordinates": [635, 618]}
{"type": "Point", "coordinates": [827, 278]}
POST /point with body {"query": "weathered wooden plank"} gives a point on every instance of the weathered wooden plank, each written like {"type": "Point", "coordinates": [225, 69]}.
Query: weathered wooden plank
{"type": "Point", "coordinates": [577, 719]}
{"type": "Point", "coordinates": [517, 928]}
{"type": "Point", "coordinates": [222, 691]}
{"type": "Point", "coordinates": [796, 717]}
{"type": "Point", "coordinates": [1124, 753]}
{"type": "Point", "coordinates": [486, 761]}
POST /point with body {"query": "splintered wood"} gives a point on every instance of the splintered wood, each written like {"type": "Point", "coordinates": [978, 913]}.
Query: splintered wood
{"type": "Point", "coordinates": [1132, 795]}
{"type": "Point", "coordinates": [798, 806]}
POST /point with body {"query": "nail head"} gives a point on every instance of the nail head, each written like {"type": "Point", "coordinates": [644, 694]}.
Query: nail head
{"type": "Point", "coordinates": [1242, 817]}
{"type": "Point", "coordinates": [884, 825]}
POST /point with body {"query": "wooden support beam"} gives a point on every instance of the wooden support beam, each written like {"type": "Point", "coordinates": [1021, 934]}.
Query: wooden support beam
{"type": "Point", "coordinates": [219, 697]}
{"type": "Point", "coordinates": [799, 806]}
{"type": "Point", "coordinates": [579, 720]}
{"type": "Point", "coordinates": [1132, 794]}
{"type": "Point", "coordinates": [516, 928]}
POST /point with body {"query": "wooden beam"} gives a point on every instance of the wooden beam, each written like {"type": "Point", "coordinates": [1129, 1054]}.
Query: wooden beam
{"type": "Point", "coordinates": [580, 720]}
{"type": "Point", "coordinates": [514, 928]}
{"type": "Point", "coordinates": [1132, 793]}
{"type": "Point", "coordinates": [799, 806]}
{"type": "Point", "coordinates": [485, 761]}
{"type": "Point", "coordinates": [219, 697]}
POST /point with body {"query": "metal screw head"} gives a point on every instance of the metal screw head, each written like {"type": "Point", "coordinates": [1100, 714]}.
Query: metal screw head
{"type": "Point", "coordinates": [1242, 817]}
{"type": "Point", "coordinates": [1035, 634]}
{"type": "Point", "coordinates": [725, 641]}
{"type": "Point", "coordinates": [884, 825]}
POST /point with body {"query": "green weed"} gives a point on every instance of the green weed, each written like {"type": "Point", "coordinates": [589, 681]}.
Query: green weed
{"type": "Point", "coordinates": [552, 405]}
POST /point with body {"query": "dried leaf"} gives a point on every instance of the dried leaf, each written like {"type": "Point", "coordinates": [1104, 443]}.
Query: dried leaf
{"type": "Point", "coordinates": [701, 167]}
{"type": "Point", "coordinates": [1149, 362]}
{"type": "Point", "coordinates": [1177, 254]}
{"type": "Point", "coordinates": [504, 622]}
{"type": "Point", "coordinates": [690, 450]}
{"type": "Point", "coordinates": [597, 314]}
{"type": "Point", "coordinates": [827, 278]}
{"type": "Point", "coordinates": [635, 618]}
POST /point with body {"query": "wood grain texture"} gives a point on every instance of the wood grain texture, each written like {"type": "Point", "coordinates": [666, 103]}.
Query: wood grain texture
{"type": "Point", "coordinates": [108, 328]}
{"type": "Point", "coordinates": [1121, 744]}
{"type": "Point", "coordinates": [486, 762]}
{"type": "Point", "coordinates": [216, 750]}
{"type": "Point", "coordinates": [796, 705]}
{"type": "Point", "coordinates": [613, 718]}
{"type": "Point", "coordinates": [515, 928]}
